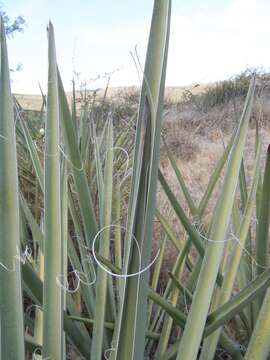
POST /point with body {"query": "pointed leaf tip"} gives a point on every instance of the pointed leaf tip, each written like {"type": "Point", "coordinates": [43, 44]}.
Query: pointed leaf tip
{"type": "Point", "coordinates": [50, 28]}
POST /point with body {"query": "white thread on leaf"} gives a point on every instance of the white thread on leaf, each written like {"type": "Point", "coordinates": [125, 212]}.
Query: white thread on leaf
{"type": "Point", "coordinates": [18, 114]}
{"type": "Point", "coordinates": [26, 255]}
{"type": "Point", "coordinates": [232, 237]}
{"type": "Point", "coordinates": [62, 280]}
{"type": "Point", "coordinates": [139, 251]}
{"type": "Point", "coordinates": [68, 160]}
{"type": "Point", "coordinates": [185, 300]}
{"type": "Point", "coordinates": [3, 137]}
{"type": "Point", "coordinates": [32, 307]}
{"type": "Point", "coordinates": [146, 81]}
{"type": "Point", "coordinates": [107, 352]}
{"type": "Point", "coordinates": [37, 356]}
{"type": "Point", "coordinates": [127, 162]}
{"type": "Point", "coordinates": [88, 260]}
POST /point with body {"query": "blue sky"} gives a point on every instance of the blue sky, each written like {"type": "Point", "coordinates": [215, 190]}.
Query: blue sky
{"type": "Point", "coordinates": [210, 40]}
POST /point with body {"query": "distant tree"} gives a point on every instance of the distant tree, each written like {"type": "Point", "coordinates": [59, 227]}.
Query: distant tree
{"type": "Point", "coordinates": [12, 26]}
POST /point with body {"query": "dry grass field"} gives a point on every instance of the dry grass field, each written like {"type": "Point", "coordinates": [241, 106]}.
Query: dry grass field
{"type": "Point", "coordinates": [173, 94]}
{"type": "Point", "coordinates": [197, 149]}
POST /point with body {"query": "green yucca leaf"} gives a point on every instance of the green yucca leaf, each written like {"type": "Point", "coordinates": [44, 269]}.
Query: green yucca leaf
{"type": "Point", "coordinates": [38, 330]}
{"type": "Point", "coordinates": [259, 345]}
{"type": "Point", "coordinates": [227, 311]}
{"type": "Point", "coordinates": [262, 233]}
{"type": "Point", "coordinates": [24, 235]}
{"type": "Point", "coordinates": [181, 287]}
{"type": "Point", "coordinates": [244, 275]}
{"type": "Point", "coordinates": [169, 231]}
{"type": "Point", "coordinates": [168, 322]}
{"type": "Point", "coordinates": [31, 221]}
{"type": "Point", "coordinates": [74, 259]}
{"type": "Point", "coordinates": [175, 313]}
{"type": "Point", "coordinates": [117, 232]}
{"type": "Point", "coordinates": [99, 175]}
{"type": "Point", "coordinates": [64, 228]}
{"type": "Point", "coordinates": [214, 178]}
{"type": "Point", "coordinates": [158, 319]}
{"type": "Point", "coordinates": [243, 184]}
{"type": "Point", "coordinates": [74, 311]}
{"type": "Point", "coordinates": [12, 327]}
{"type": "Point", "coordinates": [193, 332]}
{"type": "Point", "coordinates": [76, 166]}
{"type": "Point", "coordinates": [32, 284]}
{"type": "Point", "coordinates": [262, 228]}
{"type": "Point", "coordinates": [189, 227]}
{"type": "Point", "coordinates": [209, 347]}
{"type": "Point", "coordinates": [133, 309]}
{"type": "Point", "coordinates": [191, 230]}
{"type": "Point", "coordinates": [52, 295]}
{"type": "Point", "coordinates": [156, 274]}
{"type": "Point", "coordinates": [180, 319]}
{"type": "Point", "coordinates": [73, 107]}
{"type": "Point", "coordinates": [104, 249]}
{"type": "Point", "coordinates": [80, 343]}
{"type": "Point", "coordinates": [224, 313]}
{"type": "Point", "coordinates": [34, 288]}
{"type": "Point", "coordinates": [230, 347]}
{"type": "Point", "coordinates": [83, 266]}
{"type": "Point", "coordinates": [181, 181]}
{"type": "Point", "coordinates": [85, 133]}
{"type": "Point", "coordinates": [33, 153]}
{"type": "Point", "coordinates": [109, 325]}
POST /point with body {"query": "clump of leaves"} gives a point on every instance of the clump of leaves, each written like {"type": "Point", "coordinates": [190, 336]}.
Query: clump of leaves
{"type": "Point", "coordinates": [224, 92]}
{"type": "Point", "coordinates": [12, 26]}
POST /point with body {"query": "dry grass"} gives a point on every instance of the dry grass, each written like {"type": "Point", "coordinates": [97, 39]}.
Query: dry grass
{"type": "Point", "coordinates": [197, 141]}
{"type": "Point", "coordinates": [29, 102]}
{"type": "Point", "coordinates": [173, 95]}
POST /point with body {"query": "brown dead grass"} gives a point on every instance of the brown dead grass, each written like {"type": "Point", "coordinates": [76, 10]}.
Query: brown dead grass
{"type": "Point", "coordinates": [172, 94]}
{"type": "Point", "coordinates": [197, 141]}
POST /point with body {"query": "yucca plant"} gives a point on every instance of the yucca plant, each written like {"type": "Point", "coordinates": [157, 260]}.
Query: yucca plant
{"type": "Point", "coordinates": [76, 232]}
{"type": "Point", "coordinates": [12, 327]}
